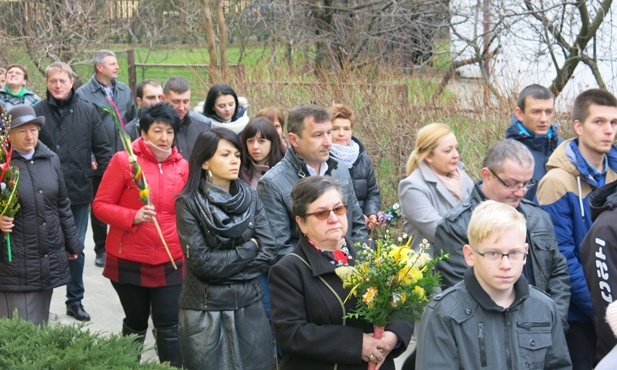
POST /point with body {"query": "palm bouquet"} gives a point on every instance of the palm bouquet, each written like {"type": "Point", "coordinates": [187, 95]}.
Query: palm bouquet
{"type": "Point", "coordinates": [9, 177]}
{"type": "Point", "coordinates": [392, 279]}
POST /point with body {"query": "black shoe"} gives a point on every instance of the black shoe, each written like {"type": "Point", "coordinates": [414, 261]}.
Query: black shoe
{"type": "Point", "coordinates": [78, 312]}
{"type": "Point", "coordinates": [99, 261]}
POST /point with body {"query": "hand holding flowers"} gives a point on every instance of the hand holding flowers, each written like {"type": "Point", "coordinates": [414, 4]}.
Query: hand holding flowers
{"type": "Point", "coordinates": [391, 280]}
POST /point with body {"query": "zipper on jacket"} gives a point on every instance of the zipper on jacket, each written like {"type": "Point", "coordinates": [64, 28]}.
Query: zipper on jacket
{"type": "Point", "coordinates": [507, 330]}
{"type": "Point", "coordinates": [187, 250]}
{"type": "Point", "coordinates": [482, 344]}
{"type": "Point", "coordinates": [160, 168]}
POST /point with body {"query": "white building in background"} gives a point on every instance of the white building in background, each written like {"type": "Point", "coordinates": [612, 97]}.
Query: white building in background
{"type": "Point", "coordinates": [524, 59]}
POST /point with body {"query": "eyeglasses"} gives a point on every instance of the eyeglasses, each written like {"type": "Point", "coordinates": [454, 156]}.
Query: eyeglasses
{"type": "Point", "coordinates": [514, 256]}
{"type": "Point", "coordinates": [324, 214]}
{"type": "Point", "coordinates": [530, 184]}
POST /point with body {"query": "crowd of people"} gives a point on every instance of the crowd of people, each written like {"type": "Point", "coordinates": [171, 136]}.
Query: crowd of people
{"type": "Point", "coordinates": [232, 245]}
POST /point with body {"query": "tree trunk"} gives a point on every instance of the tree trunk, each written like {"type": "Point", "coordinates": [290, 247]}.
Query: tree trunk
{"type": "Point", "coordinates": [222, 26]}
{"type": "Point", "coordinates": [210, 37]}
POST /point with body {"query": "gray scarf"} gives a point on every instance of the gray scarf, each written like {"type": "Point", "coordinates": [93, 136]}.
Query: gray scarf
{"type": "Point", "coordinates": [228, 213]}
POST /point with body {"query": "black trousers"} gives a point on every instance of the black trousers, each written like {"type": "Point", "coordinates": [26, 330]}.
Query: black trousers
{"type": "Point", "coordinates": [581, 339]}
{"type": "Point", "coordinates": [99, 228]}
{"type": "Point", "coordinates": [138, 301]}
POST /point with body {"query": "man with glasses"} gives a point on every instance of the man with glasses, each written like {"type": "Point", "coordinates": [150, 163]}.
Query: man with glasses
{"type": "Point", "coordinates": [506, 177]}
{"type": "Point", "coordinates": [493, 319]}
{"type": "Point", "coordinates": [577, 167]}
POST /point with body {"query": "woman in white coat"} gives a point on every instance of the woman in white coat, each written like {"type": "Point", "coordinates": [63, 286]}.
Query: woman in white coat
{"type": "Point", "coordinates": [435, 184]}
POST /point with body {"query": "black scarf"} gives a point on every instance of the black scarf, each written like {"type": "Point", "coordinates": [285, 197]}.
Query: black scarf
{"type": "Point", "coordinates": [228, 214]}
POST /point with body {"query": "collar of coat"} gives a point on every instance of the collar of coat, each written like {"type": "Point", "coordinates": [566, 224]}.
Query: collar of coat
{"type": "Point", "coordinates": [521, 292]}
{"type": "Point", "coordinates": [299, 164]}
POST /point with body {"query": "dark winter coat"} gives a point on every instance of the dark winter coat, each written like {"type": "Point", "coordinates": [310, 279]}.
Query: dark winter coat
{"type": "Point", "coordinates": [44, 228]}
{"type": "Point", "coordinates": [540, 146]}
{"type": "Point", "coordinates": [93, 93]}
{"type": "Point", "coordinates": [74, 131]}
{"type": "Point", "coordinates": [365, 183]}
{"type": "Point", "coordinates": [308, 305]}
{"type": "Point", "coordinates": [599, 260]}
{"type": "Point", "coordinates": [545, 268]}
{"type": "Point", "coordinates": [222, 262]}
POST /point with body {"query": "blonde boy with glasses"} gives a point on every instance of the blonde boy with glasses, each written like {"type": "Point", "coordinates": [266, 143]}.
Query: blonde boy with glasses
{"type": "Point", "coordinates": [493, 319]}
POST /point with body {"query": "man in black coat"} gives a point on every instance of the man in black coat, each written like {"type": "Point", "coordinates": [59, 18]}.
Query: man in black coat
{"type": "Point", "coordinates": [74, 132]}
{"type": "Point", "coordinates": [103, 85]}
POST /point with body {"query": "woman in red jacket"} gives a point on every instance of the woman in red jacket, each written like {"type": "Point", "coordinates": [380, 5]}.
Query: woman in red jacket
{"type": "Point", "coordinates": [137, 264]}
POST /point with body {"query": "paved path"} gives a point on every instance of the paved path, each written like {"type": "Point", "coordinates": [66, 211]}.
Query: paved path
{"type": "Point", "coordinates": [100, 301]}
{"type": "Point", "coordinates": [103, 305]}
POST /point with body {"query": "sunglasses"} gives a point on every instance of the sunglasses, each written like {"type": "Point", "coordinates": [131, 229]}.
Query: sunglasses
{"type": "Point", "coordinates": [324, 214]}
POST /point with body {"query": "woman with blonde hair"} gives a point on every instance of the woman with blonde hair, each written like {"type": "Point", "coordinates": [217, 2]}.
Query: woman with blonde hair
{"type": "Point", "coordinates": [435, 184]}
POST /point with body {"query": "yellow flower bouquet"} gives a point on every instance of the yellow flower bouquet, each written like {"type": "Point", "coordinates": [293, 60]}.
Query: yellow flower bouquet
{"type": "Point", "coordinates": [390, 280]}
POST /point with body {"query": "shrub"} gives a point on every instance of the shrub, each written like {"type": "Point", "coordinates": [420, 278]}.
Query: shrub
{"type": "Point", "coordinates": [24, 345]}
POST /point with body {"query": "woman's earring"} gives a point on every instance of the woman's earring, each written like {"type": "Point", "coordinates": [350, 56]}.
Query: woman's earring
{"type": "Point", "coordinates": [209, 175]}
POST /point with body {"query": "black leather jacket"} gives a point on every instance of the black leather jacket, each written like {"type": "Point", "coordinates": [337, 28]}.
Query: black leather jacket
{"type": "Point", "coordinates": [222, 276]}
{"type": "Point", "coordinates": [546, 267]}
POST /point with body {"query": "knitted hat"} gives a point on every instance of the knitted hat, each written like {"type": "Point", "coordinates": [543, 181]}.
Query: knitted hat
{"type": "Point", "coordinates": [611, 316]}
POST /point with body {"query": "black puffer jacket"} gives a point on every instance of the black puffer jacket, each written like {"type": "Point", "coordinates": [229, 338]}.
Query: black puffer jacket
{"type": "Point", "coordinates": [73, 130]}
{"type": "Point", "coordinates": [364, 183]}
{"type": "Point", "coordinates": [223, 264]}
{"type": "Point", "coordinates": [44, 227]}
{"type": "Point", "coordinates": [599, 260]}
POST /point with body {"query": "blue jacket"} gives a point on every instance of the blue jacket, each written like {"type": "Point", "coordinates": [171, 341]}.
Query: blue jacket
{"type": "Point", "coordinates": [564, 194]}
{"type": "Point", "coordinates": [541, 147]}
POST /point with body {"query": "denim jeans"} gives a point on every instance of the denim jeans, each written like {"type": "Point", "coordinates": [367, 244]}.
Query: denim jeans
{"type": "Point", "coordinates": [99, 228]}
{"type": "Point", "coordinates": [75, 289]}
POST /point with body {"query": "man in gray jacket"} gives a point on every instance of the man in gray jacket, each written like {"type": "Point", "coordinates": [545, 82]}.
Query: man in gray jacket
{"type": "Point", "coordinates": [309, 129]}
{"type": "Point", "coordinates": [506, 177]}
{"type": "Point", "coordinates": [493, 319]}
{"type": "Point", "coordinates": [103, 85]}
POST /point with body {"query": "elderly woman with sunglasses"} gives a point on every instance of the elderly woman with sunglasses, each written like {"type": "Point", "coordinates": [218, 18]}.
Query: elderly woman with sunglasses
{"type": "Point", "coordinates": [308, 300]}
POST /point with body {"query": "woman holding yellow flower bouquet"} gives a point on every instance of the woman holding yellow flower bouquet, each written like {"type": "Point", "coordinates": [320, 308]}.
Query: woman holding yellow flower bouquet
{"type": "Point", "coordinates": [308, 300]}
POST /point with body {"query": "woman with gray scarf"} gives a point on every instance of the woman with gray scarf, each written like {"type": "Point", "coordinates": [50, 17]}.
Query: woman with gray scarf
{"type": "Point", "coordinates": [227, 245]}
{"type": "Point", "coordinates": [349, 152]}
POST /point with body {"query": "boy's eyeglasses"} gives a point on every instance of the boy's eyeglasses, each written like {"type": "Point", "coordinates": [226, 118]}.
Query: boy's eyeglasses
{"type": "Point", "coordinates": [514, 256]}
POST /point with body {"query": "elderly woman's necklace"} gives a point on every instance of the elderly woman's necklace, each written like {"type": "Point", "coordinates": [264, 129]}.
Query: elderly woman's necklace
{"type": "Point", "coordinates": [339, 257]}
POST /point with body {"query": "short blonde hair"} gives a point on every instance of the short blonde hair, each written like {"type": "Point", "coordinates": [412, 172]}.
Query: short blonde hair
{"type": "Point", "coordinates": [494, 217]}
{"type": "Point", "coordinates": [427, 139]}
{"type": "Point", "coordinates": [60, 66]}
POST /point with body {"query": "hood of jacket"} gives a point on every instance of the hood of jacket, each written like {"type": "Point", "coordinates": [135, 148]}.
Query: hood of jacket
{"type": "Point", "coordinates": [537, 142]}
{"type": "Point", "coordinates": [602, 199]}
{"type": "Point", "coordinates": [568, 157]}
